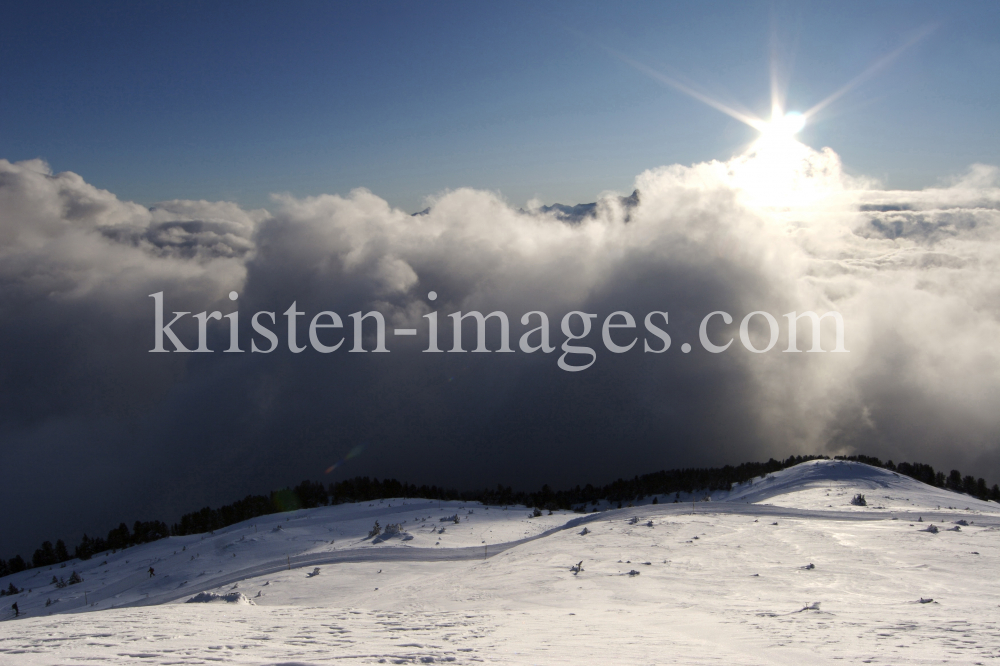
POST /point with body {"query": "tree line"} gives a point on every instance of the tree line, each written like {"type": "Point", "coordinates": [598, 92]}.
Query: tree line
{"type": "Point", "coordinates": [310, 494]}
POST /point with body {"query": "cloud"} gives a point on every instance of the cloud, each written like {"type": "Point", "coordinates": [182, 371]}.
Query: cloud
{"type": "Point", "coordinates": [914, 275]}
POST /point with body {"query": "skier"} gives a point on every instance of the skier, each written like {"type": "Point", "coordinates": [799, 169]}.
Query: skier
{"type": "Point", "coordinates": [151, 574]}
{"type": "Point", "coordinates": [17, 612]}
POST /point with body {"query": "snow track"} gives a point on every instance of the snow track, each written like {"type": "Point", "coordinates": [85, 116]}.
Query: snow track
{"type": "Point", "coordinates": [354, 555]}
{"type": "Point", "coordinates": [406, 554]}
{"type": "Point", "coordinates": [805, 578]}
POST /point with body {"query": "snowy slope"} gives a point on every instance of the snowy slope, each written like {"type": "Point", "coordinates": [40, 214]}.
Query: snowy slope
{"type": "Point", "coordinates": [830, 484]}
{"type": "Point", "coordinates": [727, 580]}
{"type": "Point", "coordinates": [301, 538]}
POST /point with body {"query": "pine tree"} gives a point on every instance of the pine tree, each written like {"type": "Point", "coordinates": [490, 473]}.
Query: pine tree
{"type": "Point", "coordinates": [61, 553]}
{"type": "Point", "coordinates": [44, 556]}
{"type": "Point", "coordinates": [119, 537]}
{"type": "Point", "coordinates": [85, 549]}
{"type": "Point", "coordinates": [969, 485]}
{"type": "Point", "coordinates": [17, 564]}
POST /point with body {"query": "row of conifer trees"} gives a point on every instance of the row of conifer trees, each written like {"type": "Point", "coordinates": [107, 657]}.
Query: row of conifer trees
{"type": "Point", "coordinates": [309, 494]}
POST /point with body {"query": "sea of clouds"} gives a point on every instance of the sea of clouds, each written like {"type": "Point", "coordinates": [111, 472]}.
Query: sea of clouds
{"type": "Point", "coordinates": [95, 427]}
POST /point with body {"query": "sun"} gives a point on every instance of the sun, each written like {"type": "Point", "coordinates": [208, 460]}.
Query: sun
{"type": "Point", "coordinates": [784, 127]}
{"type": "Point", "coordinates": [777, 143]}
{"type": "Point", "coordinates": [779, 135]}
{"type": "Point", "coordinates": [777, 171]}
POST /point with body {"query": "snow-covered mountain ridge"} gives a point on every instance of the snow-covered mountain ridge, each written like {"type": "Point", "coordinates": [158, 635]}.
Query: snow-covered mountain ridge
{"type": "Point", "coordinates": [744, 563]}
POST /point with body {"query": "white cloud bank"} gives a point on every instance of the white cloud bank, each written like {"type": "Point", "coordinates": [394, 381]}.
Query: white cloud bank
{"type": "Point", "coordinates": [916, 276]}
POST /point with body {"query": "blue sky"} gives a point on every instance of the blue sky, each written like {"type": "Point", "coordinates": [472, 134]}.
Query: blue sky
{"type": "Point", "coordinates": [237, 100]}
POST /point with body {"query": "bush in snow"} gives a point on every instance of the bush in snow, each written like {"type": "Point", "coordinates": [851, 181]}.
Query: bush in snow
{"type": "Point", "coordinates": [394, 530]}
{"type": "Point", "coordinates": [75, 578]}
{"type": "Point", "coordinates": [931, 529]}
{"type": "Point", "coordinates": [537, 512]}
{"type": "Point", "coordinates": [859, 500]}
{"type": "Point", "coordinates": [375, 531]}
{"type": "Point", "coordinates": [232, 597]}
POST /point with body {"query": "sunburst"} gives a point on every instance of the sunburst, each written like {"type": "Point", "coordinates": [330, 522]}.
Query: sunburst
{"type": "Point", "coordinates": [778, 132]}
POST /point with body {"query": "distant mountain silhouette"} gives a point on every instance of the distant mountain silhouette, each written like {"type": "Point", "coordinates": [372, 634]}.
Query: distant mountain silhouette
{"type": "Point", "coordinates": [573, 214]}
{"type": "Point", "coordinates": [577, 213]}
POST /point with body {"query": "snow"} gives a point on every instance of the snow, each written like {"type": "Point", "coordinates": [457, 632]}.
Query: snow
{"type": "Point", "coordinates": [821, 484]}
{"type": "Point", "coordinates": [784, 570]}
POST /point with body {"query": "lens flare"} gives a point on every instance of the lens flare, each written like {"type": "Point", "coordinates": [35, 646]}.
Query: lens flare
{"type": "Point", "coordinates": [353, 453]}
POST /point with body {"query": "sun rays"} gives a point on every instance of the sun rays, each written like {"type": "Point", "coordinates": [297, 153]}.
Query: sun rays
{"type": "Point", "coordinates": [777, 147]}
